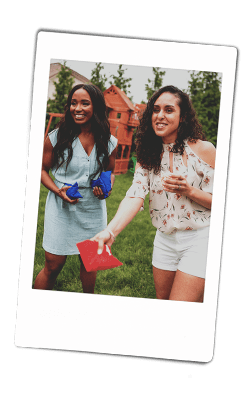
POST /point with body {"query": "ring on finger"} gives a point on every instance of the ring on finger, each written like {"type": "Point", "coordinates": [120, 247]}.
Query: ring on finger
{"type": "Point", "coordinates": [179, 187]}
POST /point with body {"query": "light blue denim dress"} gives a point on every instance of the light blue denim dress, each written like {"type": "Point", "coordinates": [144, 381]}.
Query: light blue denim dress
{"type": "Point", "coordinates": [66, 224]}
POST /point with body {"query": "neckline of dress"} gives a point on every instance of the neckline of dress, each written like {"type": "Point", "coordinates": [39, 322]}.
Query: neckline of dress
{"type": "Point", "coordinates": [171, 145]}
{"type": "Point", "coordinates": [84, 148]}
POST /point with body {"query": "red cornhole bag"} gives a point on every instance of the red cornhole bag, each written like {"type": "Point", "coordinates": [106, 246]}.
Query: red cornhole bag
{"type": "Point", "coordinates": [93, 261]}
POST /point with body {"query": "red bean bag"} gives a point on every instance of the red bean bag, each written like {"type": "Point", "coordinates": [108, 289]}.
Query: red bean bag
{"type": "Point", "coordinates": [93, 261]}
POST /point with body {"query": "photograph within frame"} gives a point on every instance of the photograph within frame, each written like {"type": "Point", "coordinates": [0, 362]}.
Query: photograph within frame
{"type": "Point", "coordinates": [82, 322]}
{"type": "Point", "coordinates": [132, 246]}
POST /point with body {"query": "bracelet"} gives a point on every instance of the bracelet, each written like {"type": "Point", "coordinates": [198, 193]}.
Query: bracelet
{"type": "Point", "coordinates": [110, 232]}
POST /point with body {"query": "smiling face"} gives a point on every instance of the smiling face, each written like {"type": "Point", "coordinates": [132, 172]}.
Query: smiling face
{"type": "Point", "coordinates": [166, 117]}
{"type": "Point", "coordinates": [81, 107]}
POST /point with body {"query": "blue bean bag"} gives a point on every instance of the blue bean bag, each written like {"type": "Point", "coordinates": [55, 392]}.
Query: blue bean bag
{"type": "Point", "coordinates": [72, 192]}
{"type": "Point", "coordinates": [103, 182]}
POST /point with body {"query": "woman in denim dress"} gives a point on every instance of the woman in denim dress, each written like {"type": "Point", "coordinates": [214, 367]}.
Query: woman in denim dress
{"type": "Point", "coordinates": [77, 151]}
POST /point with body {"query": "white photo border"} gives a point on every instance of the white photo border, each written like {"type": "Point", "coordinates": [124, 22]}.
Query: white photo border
{"type": "Point", "coordinates": [112, 324]}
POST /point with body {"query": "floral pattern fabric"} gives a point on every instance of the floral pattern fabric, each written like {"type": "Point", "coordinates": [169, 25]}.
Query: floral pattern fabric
{"type": "Point", "coordinates": [171, 211]}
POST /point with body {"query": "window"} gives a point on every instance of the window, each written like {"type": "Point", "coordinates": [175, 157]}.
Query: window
{"type": "Point", "coordinates": [119, 152]}
{"type": "Point", "coordinates": [126, 151]}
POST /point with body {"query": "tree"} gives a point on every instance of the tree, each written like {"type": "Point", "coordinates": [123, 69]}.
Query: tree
{"type": "Point", "coordinates": [204, 91]}
{"type": "Point", "coordinates": [156, 83]}
{"type": "Point", "coordinates": [63, 87]}
{"type": "Point", "coordinates": [96, 77]}
{"type": "Point", "coordinates": [120, 81]}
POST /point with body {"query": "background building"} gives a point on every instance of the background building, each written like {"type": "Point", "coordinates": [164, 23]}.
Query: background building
{"type": "Point", "coordinates": [123, 117]}
{"type": "Point", "coordinates": [54, 69]}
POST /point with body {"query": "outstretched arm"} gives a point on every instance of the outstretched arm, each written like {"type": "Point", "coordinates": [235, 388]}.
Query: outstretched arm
{"type": "Point", "coordinates": [127, 210]}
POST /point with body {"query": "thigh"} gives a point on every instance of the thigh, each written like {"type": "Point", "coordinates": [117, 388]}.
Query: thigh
{"type": "Point", "coordinates": [187, 287]}
{"type": "Point", "coordinates": [163, 280]}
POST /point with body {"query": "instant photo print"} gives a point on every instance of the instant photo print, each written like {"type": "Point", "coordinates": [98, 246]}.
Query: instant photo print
{"type": "Point", "coordinates": [103, 323]}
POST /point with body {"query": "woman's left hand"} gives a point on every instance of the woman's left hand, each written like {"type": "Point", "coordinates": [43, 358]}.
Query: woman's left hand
{"type": "Point", "coordinates": [176, 184]}
{"type": "Point", "coordinates": [98, 192]}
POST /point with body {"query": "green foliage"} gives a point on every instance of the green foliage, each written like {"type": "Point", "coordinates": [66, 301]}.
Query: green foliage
{"type": "Point", "coordinates": [96, 77]}
{"type": "Point", "coordinates": [133, 247]}
{"type": "Point", "coordinates": [204, 91]}
{"type": "Point", "coordinates": [63, 87]}
{"type": "Point", "coordinates": [156, 84]}
{"type": "Point", "coordinates": [120, 81]}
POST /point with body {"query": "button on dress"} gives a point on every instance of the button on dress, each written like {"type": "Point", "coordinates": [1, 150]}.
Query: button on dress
{"type": "Point", "coordinates": [67, 224]}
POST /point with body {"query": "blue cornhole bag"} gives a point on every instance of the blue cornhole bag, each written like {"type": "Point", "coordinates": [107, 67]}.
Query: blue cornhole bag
{"type": "Point", "coordinates": [72, 192]}
{"type": "Point", "coordinates": [103, 182]}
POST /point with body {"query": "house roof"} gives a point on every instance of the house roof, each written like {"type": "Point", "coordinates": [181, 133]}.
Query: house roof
{"type": "Point", "coordinates": [108, 104]}
{"type": "Point", "coordinates": [56, 67]}
{"type": "Point", "coordinates": [117, 99]}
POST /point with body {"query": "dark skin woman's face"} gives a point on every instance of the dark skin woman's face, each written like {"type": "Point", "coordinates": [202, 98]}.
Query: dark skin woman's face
{"type": "Point", "coordinates": [81, 107]}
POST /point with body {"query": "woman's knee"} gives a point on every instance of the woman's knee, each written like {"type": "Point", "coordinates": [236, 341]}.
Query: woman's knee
{"type": "Point", "coordinates": [163, 280]}
{"type": "Point", "coordinates": [54, 263]}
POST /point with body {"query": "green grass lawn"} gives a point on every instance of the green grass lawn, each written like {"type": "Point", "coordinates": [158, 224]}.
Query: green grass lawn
{"type": "Point", "coordinates": [133, 247]}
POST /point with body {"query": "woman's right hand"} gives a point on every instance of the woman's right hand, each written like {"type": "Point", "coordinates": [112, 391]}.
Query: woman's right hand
{"type": "Point", "coordinates": [102, 238]}
{"type": "Point", "coordinates": [62, 194]}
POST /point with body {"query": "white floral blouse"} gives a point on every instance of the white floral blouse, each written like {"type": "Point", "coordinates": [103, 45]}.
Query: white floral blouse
{"type": "Point", "coordinates": [171, 212]}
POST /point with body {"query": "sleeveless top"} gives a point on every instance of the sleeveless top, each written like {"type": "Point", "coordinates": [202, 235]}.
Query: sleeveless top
{"type": "Point", "coordinates": [171, 212]}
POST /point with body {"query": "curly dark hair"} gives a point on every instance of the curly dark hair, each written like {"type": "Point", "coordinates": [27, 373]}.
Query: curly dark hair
{"type": "Point", "coordinates": [68, 130]}
{"type": "Point", "coordinates": [149, 146]}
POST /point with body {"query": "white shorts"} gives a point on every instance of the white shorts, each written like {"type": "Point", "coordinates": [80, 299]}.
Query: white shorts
{"type": "Point", "coordinates": [182, 250]}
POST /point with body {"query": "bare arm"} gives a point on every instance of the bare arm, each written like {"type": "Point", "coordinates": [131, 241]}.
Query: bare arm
{"type": "Point", "coordinates": [127, 210]}
{"type": "Point", "coordinates": [205, 150]}
{"type": "Point", "coordinates": [202, 198]}
{"type": "Point", "coordinates": [178, 184]}
{"type": "Point", "coordinates": [46, 180]}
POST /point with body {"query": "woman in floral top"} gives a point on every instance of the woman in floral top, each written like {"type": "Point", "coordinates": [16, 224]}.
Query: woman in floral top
{"type": "Point", "coordinates": [176, 167]}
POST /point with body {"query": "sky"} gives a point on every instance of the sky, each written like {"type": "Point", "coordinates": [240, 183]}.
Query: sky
{"type": "Point", "coordinates": [139, 75]}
